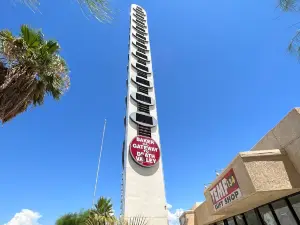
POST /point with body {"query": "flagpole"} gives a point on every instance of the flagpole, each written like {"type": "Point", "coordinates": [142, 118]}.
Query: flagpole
{"type": "Point", "coordinates": [99, 162]}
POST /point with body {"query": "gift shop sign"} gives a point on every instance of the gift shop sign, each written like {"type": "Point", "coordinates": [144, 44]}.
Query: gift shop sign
{"type": "Point", "coordinates": [225, 191]}
{"type": "Point", "coordinates": [144, 151]}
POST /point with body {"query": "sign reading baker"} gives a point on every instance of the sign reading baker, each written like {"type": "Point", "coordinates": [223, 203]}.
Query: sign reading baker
{"type": "Point", "coordinates": [144, 151]}
{"type": "Point", "coordinates": [225, 191]}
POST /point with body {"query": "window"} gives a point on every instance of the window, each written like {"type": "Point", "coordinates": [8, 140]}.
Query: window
{"type": "Point", "coordinates": [142, 81]}
{"type": "Point", "coordinates": [142, 74]}
{"type": "Point", "coordinates": [267, 215]}
{"type": "Point", "coordinates": [142, 61]}
{"type": "Point", "coordinates": [145, 131]}
{"type": "Point", "coordinates": [140, 40]}
{"type": "Point", "coordinates": [252, 218]}
{"type": "Point", "coordinates": [143, 108]}
{"type": "Point", "coordinates": [140, 32]}
{"type": "Point", "coordinates": [142, 67]}
{"type": "Point", "coordinates": [139, 9]}
{"type": "Point", "coordinates": [144, 119]}
{"type": "Point", "coordinates": [230, 221]}
{"type": "Point", "coordinates": [141, 45]}
{"type": "Point", "coordinates": [139, 17]}
{"type": "Point", "coordinates": [283, 213]}
{"type": "Point", "coordinates": [140, 24]}
{"type": "Point", "coordinates": [295, 201]}
{"type": "Point", "coordinates": [140, 36]}
{"type": "Point", "coordinates": [139, 13]}
{"type": "Point", "coordinates": [141, 50]}
{"type": "Point", "coordinates": [141, 29]}
{"type": "Point", "coordinates": [143, 98]}
{"type": "Point", "coordinates": [240, 220]}
{"type": "Point", "coordinates": [143, 89]}
{"type": "Point", "coordinates": [141, 55]}
{"type": "Point", "coordinates": [140, 21]}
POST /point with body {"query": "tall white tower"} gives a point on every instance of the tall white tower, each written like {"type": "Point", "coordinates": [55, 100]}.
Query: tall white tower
{"type": "Point", "coordinates": [143, 188]}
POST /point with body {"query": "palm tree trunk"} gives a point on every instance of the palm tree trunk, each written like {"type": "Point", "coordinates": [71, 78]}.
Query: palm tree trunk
{"type": "Point", "coordinates": [16, 92]}
{"type": "Point", "coordinates": [3, 73]}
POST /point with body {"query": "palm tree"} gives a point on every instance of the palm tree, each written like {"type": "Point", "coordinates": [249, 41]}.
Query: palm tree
{"type": "Point", "coordinates": [98, 8]}
{"type": "Point", "coordinates": [30, 68]}
{"type": "Point", "coordinates": [102, 213]}
{"type": "Point", "coordinates": [289, 5]}
{"type": "Point", "coordinates": [292, 6]}
{"type": "Point", "coordinates": [73, 218]}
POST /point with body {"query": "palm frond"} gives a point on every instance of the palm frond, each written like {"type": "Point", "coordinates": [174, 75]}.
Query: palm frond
{"type": "Point", "coordinates": [32, 37]}
{"type": "Point", "coordinates": [100, 9]}
{"type": "Point", "coordinates": [90, 221]}
{"type": "Point", "coordinates": [68, 219]}
{"type": "Point", "coordinates": [30, 69]}
{"type": "Point", "coordinates": [6, 34]}
{"type": "Point", "coordinates": [32, 4]}
{"type": "Point", "coordinates": [73, 218]}
{"type": "Point", "coordinates": [290, 47]}
{"type": "Point", "coordinates": [294, 44]}
{"type": "Point", "coordinates": [102, 213]}
{"type": "Point", "coordinates": [289, 5]}
{"type": "Point", "coordinates": [52, 46]}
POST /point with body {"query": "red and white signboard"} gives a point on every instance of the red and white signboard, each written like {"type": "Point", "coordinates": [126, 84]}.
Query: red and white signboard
{"type": "Point", "coordinates": [225, 191]}
{"type": "Point", "coordinates": [144, 151]}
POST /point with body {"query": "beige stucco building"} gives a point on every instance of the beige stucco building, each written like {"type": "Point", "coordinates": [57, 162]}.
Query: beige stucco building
{"type": "Point", "coordinates": [261, 186]}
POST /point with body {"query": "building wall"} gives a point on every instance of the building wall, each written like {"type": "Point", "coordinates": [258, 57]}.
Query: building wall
{"type": "Point", "coordinates": [285, 135]}
{"type": "Point", "coordinates": [203, 214]}
{"type": "Point", "coordinates": [243, 180]}
{"type": "Point", "coordinates": [270, 171]}
{"type": "Point", "coordinates": [263, 176]}
{"type": "Point", "coordinates": [143, 188]}
{"type": "Point", "coordinates": [258, 174]}
{"type": "Point", "coordinates": [188, 218]}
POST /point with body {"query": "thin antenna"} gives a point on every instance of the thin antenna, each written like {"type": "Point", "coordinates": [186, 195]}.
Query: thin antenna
{"type": "Point", "coordinates": [99, 163]}
{"type": "Point", "coordinates": [218, 172]}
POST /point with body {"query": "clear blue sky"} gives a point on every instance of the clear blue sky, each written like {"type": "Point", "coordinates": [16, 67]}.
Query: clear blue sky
{"type": "Point", "coordinates": [223, 79]}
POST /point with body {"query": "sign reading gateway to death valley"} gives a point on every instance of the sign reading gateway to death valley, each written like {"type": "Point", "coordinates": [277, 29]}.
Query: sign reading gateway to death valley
{"type": "Point", "coordinates": [144, 151]}
{"type": "Point", "coordinates": [225, 191]}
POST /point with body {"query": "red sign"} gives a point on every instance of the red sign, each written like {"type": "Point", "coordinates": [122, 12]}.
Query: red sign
{"type": "Point", "coordinates": [144, 151]}
{"type": "Point", "coordinates": [225, 191]}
